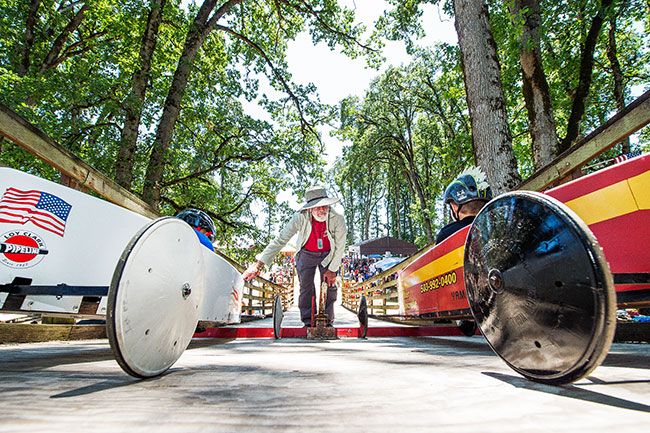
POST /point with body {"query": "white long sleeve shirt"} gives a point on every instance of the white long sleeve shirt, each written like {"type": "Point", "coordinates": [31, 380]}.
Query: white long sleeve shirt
{"type": "Point", "coordinates": [300, 223]}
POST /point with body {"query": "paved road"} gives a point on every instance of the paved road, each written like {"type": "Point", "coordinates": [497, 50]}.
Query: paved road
{"type": "Point", "coordinates": [442, 384]}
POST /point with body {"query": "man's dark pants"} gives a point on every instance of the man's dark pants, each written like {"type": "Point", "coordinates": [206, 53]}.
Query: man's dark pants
{"type": "Point", "coordinates": [306, 264]}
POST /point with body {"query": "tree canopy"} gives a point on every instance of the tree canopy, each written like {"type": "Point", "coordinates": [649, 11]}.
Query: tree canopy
{"type": "Point", "coordinates": [158, 95]}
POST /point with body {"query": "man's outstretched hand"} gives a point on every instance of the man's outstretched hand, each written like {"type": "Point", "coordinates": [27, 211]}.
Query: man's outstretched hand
{"type": "Point", "coordinates": [329, 277]}
{"type": "Point", "coordinates": [253, 271]}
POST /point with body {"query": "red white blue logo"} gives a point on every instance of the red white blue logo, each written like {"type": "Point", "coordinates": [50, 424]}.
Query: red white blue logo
{"type": "Point", "coordinates": [21, 249]}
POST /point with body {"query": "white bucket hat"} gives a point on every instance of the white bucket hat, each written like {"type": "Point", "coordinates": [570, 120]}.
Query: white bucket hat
{"type": "Point", "coordinates": [317, 196]}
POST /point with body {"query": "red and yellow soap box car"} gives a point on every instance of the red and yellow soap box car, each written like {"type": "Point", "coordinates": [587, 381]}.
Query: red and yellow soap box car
{"type": "Point", "coordinates": [613, 202]}
{"type": "Point", "coordinates": [547, 271]}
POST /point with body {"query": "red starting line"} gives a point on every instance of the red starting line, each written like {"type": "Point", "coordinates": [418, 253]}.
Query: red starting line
{"type": "Point", "coordinates": [379, 331]}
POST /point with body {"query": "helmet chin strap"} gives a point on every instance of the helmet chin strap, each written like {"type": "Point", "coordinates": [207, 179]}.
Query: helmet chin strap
{"type": "Point", "coordinates": [455, 215]}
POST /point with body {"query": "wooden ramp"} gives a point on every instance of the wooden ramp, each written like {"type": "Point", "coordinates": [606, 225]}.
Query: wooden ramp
{"type": "Point", "coordinates": [345, 322]}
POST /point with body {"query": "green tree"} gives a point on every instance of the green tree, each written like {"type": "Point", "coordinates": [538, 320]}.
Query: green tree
{"type": "Point", "coordinates": [409, 136]}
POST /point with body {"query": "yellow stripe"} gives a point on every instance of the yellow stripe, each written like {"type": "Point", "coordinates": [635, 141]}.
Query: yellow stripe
{"type": "Point", "coordinates": [604, 204]}
{"type": "Point", "coordinates": [615, 200]}
{"type": "Point", "coordinates": [640, 186]}
{"type": "Point", "coordinates": [446, 263]}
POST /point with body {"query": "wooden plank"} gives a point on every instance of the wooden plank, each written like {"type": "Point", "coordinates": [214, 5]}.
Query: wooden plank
{"type": "Point", "coordinates": [389, 284]}
{"type": "Point", "coordinates": [258, 307]}
{"type": "Point", "coordinates": [625, 123]}
{"type": "Point", "coordinates": [383, 296]}
{"type": "Point", "coordinates": [266, 299]}
{"type": "Point", "coordinates": [29, 333]}
{"type": "Point", "coordinates": [383, 307]}
{"type": "Point", "coordinates": [27, 136]}
{"type": "Point", "coordinates": [390, 271]}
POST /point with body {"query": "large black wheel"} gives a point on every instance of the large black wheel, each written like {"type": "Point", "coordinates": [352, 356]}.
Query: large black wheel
{"type": "Point", "coordinates": [539, 287]}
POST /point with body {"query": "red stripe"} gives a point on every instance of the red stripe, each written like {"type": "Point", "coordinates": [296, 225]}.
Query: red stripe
{"type": "Point", "coordinates": [50, 215]}
{"type": "Point", "coordinates": [49, 229]}
{"type": "Point", "coordinates": [345, 332]}
{"type": "Point", "coordinates": [21, 215]}
{"type": "Point", "coordinates": [21, 209]}
{"type": "Point", "coordinates": [20, 191]}
{"type": "Point", "coordinates": [631, 287]}
{"type": "Point", "coordinates": [50, 219]}
{"type": "Point", "coordinates": [45, 217]}
{"type": "Point", "coordinates": [11, 200]}
{"type": "Point", "coordinates": [9, 197]}
{"type": "Point", "coordinates": [19, 220]}
{"type": "Point", "coordinates": [17, 192]}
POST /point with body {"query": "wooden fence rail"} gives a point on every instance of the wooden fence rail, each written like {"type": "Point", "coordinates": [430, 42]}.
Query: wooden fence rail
{"type": "Point", "coordinates": [259, 294]}
{"type": "Point", "coordinates": [620, 126]}
{"type": "Point", "coordinates": [380, 291]}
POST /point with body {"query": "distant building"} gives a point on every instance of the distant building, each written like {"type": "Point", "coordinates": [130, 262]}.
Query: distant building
{"type": "Point", "coordinates": [384, 247]}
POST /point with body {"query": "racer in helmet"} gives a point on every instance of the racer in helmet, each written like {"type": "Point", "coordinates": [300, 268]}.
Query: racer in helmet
{"type": "Point", "coordinates": [202, 224]}
{"type": "Point", "coordinates": [466, 195]}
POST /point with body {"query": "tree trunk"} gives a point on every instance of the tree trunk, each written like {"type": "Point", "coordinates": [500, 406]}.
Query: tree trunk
{"type": "Point", "coordinates": [28, 43]}
{"type": "Point", "coordinates": [351, 222]}
{"type": "Point", "coordinates": [394, 209]}
{"type": "Point", "coordinates": [584, 80]}
{"type": "Point", "coordinates": [350, 216]}
{"type": "Point", "coordinates": [536, 91]}
{"type": "Point", "coordinates": [617, 74]}
{"type": "Point", "coordinates": [196, 35]}
{"type": "Point", "coordinates": [135, 101]}
{"type": "Point", "coordinates": [418, 192]}
{"type": "Point", "coordinates": [52, 58]}
{"type": "Point", "coordinates": [366, 202]}
{"type": "Point", "coordinates": [491, 137]}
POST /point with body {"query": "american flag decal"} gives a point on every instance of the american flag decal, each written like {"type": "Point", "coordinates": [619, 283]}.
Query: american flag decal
{"type": "Point", "coordinates": [44, 210]}
{"type": "Point", "coordinates": [625, 157]}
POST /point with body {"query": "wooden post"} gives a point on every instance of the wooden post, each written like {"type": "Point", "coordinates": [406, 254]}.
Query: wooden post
{"type": "Point", "coordinates": [384, 294]}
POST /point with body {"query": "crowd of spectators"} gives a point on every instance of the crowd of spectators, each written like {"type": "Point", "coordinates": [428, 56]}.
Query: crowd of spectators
{"type": "Point", "coordinates": [355, 270]}
{"type": "Point", "coordinates": [359, 269]}
{"type": "Point", "coordinates": [283, 273]}
{"type": "Point", "coordinates": [633, 315]}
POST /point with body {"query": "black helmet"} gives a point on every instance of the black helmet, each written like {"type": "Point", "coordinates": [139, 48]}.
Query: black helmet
{"type": "Point", "coordinates": [198, 218]}
{"type": "Point", "coordinates": [470, 185]}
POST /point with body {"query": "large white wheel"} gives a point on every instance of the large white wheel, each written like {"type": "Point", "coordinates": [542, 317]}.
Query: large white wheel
{"type": "Point", "coordinates": [154, 297]}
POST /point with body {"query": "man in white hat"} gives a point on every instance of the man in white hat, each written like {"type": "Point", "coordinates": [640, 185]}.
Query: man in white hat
{"type": "Point", "coordinates": [321, 245]}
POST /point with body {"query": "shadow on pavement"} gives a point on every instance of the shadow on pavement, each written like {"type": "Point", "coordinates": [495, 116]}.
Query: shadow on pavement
{"type": "Point", "coordinates": [571, 391]}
